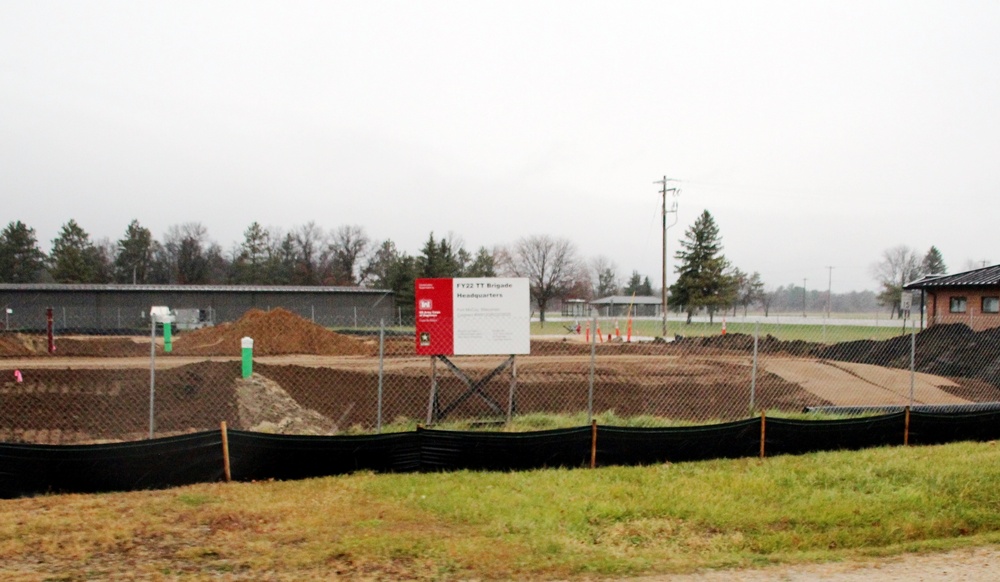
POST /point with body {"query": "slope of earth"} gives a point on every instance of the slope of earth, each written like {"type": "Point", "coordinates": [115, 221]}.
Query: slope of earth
{"type": "Point", "coordinates": [93, 405]}
{"type": "Point", "coordinates": [850, 384]}
{"type": "Point", "coordinates": [273, 332]}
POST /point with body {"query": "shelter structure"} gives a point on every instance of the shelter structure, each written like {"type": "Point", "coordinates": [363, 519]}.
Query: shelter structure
{"type": "Point", "coordinates": [125, 308]}
{"type": "Point", "coordinates": [619, 305]}
{"type": "Point", "coordinates": [971, 297]}
{"type": "Point", "coordinates": [575, 308]}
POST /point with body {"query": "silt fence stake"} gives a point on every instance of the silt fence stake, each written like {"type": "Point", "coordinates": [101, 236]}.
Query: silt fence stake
{"type": "Point", "coordinates": [593, 444]}
{"type": "Point", "coordinates": [225, 452]}
{"type": "Point", "coordinates": [763, 432]}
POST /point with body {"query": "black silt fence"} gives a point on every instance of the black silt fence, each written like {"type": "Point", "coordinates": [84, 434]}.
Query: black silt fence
{"type": "Point", "coordinates": [155, 464]}
{"type": "Point", "coordinates": [933, 429]}
{"type": "Point", "coordinates": [452, 450]}
{"type": "Point", "coordinates": [28, 469]}
{"type": "Point", "coordinates": [257, 456]}
{"type": "Point", "coordinates": [645, 446]}
{"type": "Point", "coordinates": [793, 437]}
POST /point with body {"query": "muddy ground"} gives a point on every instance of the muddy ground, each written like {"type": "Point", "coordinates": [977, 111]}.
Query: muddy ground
{"type": "Point", "coordinates": [309, 380]}
{"type": "Point", "coordinates": [55, 405]}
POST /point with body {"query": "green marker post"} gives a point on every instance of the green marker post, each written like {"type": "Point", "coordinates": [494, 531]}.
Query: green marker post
{"type": "Point", "coordinates": [168, 338]}
{"type": "Point", "coordinates": [247, 345]}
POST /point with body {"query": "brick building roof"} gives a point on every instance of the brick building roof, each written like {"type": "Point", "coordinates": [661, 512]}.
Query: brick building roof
{"type": "Point", "coordinates": [985, 277]}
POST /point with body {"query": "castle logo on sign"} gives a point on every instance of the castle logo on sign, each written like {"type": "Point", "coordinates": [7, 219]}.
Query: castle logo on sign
{"type": "Point", "coordinates": [426, 304]}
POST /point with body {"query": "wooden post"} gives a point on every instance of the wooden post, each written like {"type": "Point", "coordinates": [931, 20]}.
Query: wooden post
{"type": "Point", "coordinates": [763, 432]}
{"type": "Point", "coordinates": [593, 444]}
{"type": "Point", "coordinates": [906, 428]}
{"type": "Point", "coordinates": [225, 452]}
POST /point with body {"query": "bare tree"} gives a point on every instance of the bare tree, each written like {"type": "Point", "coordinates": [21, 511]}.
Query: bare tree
{"type": "Point", "coordinates": [604, 277]}
{"type": "Point", "coordinates": [767, 298]}
{"type": "Point", "coordinates": [348, 247]}
{"type": "Point", "coordinates": [899, 266]}
{"type": "Point", "coordinates": [184, 255]}
{"type": "Point", "coordinates": [311, 254]}
{"type": "Point", "coordinates": [550, 265]}
{"type": "Point", "coordinates": [750, 290]}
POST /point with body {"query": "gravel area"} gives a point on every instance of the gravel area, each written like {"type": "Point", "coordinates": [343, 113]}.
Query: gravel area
{"type": "Point", "coordinates": [966, 565]}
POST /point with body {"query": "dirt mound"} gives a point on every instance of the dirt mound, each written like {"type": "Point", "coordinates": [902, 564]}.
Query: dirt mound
{"type": "Point", "coordinates": [114, 347]}
{"type": "Point", "coordinates": [59, 406]}
{"type": "Point", "coordinates": [951, 350]}
{"type": "Point", "coordinates": [265, 407]}
{"type": "Point", "coordinates": [276, 332]}
{"type": "Point", "coordinates": [10, 346]}
{"type": "Point", "coordinates": [744, 342]}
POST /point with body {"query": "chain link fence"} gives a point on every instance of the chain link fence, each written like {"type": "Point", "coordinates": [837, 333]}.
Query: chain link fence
{"type": "Point", "coordinates": [361, 374]}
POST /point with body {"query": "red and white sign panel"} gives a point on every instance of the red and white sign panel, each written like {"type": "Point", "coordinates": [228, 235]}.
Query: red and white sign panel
{"type": "Point", "coordinates": [473, 316]}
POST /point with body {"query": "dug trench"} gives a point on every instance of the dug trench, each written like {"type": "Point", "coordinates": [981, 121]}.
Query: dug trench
{"type": "Point", "coordinates": [311, 380]}
{"type": "Point", "coordinates": [98, 405]}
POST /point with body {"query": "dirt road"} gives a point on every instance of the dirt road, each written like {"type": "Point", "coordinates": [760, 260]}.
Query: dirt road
{"type": "Point", "coordinates": [851, 384]}
{"type": "Point", "coordinates": [967, 565]}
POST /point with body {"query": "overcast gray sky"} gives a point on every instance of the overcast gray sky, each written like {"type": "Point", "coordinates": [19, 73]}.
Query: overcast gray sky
{"type": "Point", "coordinates": [817, 133]}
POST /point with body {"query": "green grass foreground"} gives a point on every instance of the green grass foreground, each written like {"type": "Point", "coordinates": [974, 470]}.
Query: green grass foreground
{"type": "Point", "coordinates": [546, 524]}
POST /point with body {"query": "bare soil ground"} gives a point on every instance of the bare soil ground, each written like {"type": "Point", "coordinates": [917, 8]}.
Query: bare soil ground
{"type": "Point", "coordinates": [98, 388]}
{"type": "Point", "coordinates": [850, 384]}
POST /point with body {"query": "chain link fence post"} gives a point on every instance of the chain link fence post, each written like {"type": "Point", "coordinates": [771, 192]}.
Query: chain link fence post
{"type": "Point", "coordinates": [381, 372]}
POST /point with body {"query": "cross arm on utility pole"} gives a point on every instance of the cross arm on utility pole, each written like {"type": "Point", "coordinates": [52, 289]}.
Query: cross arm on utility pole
{"type": "Point", "coordinates": [673, 209]}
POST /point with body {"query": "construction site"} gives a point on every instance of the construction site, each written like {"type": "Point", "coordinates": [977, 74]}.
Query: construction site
{"type": "Point", "coordinates": [310, 380]}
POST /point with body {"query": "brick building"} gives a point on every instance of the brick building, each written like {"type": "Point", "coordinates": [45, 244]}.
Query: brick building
{"type": "Point", "coordinates": [972, 298]}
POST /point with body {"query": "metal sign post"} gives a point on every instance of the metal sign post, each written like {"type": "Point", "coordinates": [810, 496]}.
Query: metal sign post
{"type": "Point", "coordinates": [157, 314]}
{"type": "Point", "coordinates": [472, 316]}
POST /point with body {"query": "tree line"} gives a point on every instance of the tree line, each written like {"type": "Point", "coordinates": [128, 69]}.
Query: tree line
{"type": "Point", "coordinates": [310, 255]}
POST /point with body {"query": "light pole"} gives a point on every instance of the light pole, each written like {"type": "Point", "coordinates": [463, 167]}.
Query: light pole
{"type": "Point", "coordinates": [804, 296]}
{"type": "Point", "coordinates": [829, 289]}
{"type": "Point", "coordinates": [673, 209]}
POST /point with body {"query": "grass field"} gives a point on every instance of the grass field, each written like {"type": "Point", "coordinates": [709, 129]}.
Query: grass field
{"type": "Point", "coordinates": [783, 331]}
{"type": "Point", "coordinates": [546, 524]}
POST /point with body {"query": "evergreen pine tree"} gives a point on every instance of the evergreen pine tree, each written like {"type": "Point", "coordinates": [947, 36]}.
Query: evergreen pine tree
{"type": "Point", "coordinates": [21, 261]}
{"type": "Point", "coordinates": [703, 281]}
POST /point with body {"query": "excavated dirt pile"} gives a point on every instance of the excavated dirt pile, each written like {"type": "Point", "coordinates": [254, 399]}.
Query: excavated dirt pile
{"type": "Point", "coordinates": [743, 342]}
{"type": "Point", "coordinates": [264, 406]}
{"type": "Point", "coordinates": [10, 346]}
{"type": "Point", "coordinates": [951, 350]}
{"type": "Point", "coordinates": [276, 332]}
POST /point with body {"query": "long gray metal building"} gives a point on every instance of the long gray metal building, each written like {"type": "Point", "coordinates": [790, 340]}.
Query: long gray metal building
{"type": "Point", "coordinates": [109, 308]}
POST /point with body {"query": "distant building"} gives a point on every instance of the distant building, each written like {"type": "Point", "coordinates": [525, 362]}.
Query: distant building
{"type": "Point", "coordinates": [622, 305]}
{"type": "Point", "coordinates": [575, 308]}
{"type": "Point", "coordinates": [972, 298]}
{"type": "Point", "coordinates": [125, 308]}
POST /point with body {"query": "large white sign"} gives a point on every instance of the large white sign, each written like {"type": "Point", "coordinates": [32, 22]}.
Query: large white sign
{"type": "Point", "coordinates": [473, 316]}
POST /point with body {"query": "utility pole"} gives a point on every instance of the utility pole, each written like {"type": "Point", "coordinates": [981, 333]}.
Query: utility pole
{"type": "Point", "coordinates": [829, 288]}
{"type": "Point", "coordinates": [804, 296]}
{"type": "Point", "coordinates": [673, 209]}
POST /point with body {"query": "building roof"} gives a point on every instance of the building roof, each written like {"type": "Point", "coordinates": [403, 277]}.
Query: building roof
{"type": "Point", "coordinates": [627, 300]}
{"type": "Point", "coordinates": [986, 276]}
{"type": "Point", "coordinates": [185, 288]}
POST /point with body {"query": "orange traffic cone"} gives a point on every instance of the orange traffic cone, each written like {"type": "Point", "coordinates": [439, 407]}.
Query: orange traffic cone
{"type": "Point", "coordinates": [618, 333]}
{"type": "Point", "coordinates": [588, 333]}
{"type": "Point", "coordinates": [723, 326]}
{"type": "Point", "coordinates": [628, 336]}
{"type": "Point", "coordinates": [600, 336]}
